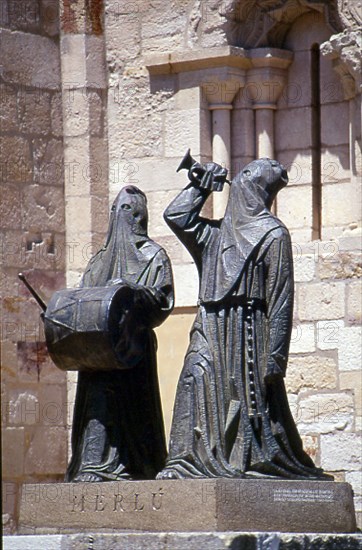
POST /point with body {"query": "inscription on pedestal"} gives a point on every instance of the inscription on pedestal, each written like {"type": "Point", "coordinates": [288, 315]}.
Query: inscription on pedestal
{"type": "Point", "coordinates": [303, 495]}
{"type": "Point", "coordinates": [119, 502]}
{"type": "Point", "coordinates": [189, 505]}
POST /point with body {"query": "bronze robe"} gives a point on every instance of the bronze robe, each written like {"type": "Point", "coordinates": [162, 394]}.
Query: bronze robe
{"type": "Point", "coordinates": [231, 416]}
{"type": "Point", "coordinates": [118, 430]}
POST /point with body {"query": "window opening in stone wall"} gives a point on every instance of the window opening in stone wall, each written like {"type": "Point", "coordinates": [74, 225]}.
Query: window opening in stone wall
{"type": "Point", "coordinates": [316, 144]}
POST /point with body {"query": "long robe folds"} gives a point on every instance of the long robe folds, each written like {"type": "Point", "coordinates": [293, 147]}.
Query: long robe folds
{"type": "Point", "coordinates": [118, 430]}
{"type": "Point", "coordinates": [231, 415]}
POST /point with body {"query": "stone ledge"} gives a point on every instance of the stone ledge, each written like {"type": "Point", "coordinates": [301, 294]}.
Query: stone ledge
{"type": "Point", "coordinates": [188, 505]}
{"type": "Point", "coordinates": [185, 541]}
{"type": "Point", "coordinates": [223, 56]}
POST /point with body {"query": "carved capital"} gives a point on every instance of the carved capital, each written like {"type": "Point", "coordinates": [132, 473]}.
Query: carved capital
{"type": "Point", "coordinates": [221, 85]}
{"type": "Point", "coordinates": [345, 51]}
{"type": "Point", "coordinates": [267, 77]}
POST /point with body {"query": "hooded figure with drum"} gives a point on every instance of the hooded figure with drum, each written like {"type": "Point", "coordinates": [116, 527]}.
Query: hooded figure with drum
{"type": "Point", "coordinates": [104, 330]}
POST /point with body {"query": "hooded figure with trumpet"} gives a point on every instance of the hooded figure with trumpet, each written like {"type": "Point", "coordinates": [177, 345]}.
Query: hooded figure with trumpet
{"type": "Point", "coordinates": [231, 415]}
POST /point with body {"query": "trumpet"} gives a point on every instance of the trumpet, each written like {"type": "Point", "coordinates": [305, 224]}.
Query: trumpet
{"type": "Point", "coordinates": [210, 176]}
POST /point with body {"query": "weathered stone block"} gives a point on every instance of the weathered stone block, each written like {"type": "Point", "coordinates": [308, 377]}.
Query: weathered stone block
{"type": "Point", "coordinates": [23, 407]}
{"type": "Point", "coordinates": [341, 204]}
{"type": "Point", "coordinates": [72, 17]}
{"type": "Point", "coordinates": [100, 213]}
{"type": "Point", "coordinates": [182, 132]}
{"type": "Point", "coordinates": [30, 69]}
{"type": "Point", "coordinates": [48, 161]}
{"type": "Point", "coordinates": [73, 53]}
{"type": "Point", "coordinates": [304, 268]}
{"type": "Point", "coordinates": [353, 381]}
{"type": "Point", "coordinates": [136, 136]}
{"type": "Point", "coordinates": [74, 276]}
{"type": "Point", "coordinates": [13, 451]}
{"type": "Point", "coordinates": [350, 348]}
{"type": "Point", "coordinates": [174, 249]}
{"type": "Point", "coordinates": [47, 451]}
{"type": "Point", "coordinates": [332, 133]}
{"type": "Point", "coordinates": [297, 91]}
{"type": "Point", "coordinates": [354, 301]}
{"type": "Point", "coordinates": [300, 236]}
{"type": "Point", "coordinates": [325, 413]}
{"type": "Point", "coordinates": [340, 265]}
{"type": "Point", "coordinates": [15, 159]}
{"type": "Point", "coordinates": [351, 238]}
{"type": "Point", "coordinates": [76, 165]}
{"type": "Point", "coordinates": [310, 28]}
{"type": "Point", "coordinates": [311, 372]}
{"type": "Point", "coordinates": [24, 16]}
{"type": "Point", "coordinates": [52, 404]}
{"type": "Point", "coordinates": [335, 164]}
{"type": "Point", "coordinates": [311, 447]}
{"type": "Point", "coordinates": [295, 207]}
{"type": "Point", "coordinates": [71, 380]}
{"type": "Point", "coordinates": [9, 507]}
{"type": "Point", "coordinates": [43, 207]}
{"type": "Point", "coordinates": [34, 111]}
{"type": "Point", "coordinates": [331, 83]}
{"type": "Point", "coordinates": [321, 301]}
{"type": "Point", "coordinates": [8, 108]}
{"type": "Point", "coordinates": [8, 359]}
{"type": "Point", "coordinates": [341, 451]}
{"type": "Point", "coordinates": [144, 173]}
{"type": "Point", "coordinates": [96, 114]}
{"type": "Point", "coordinates": [299, 166]}
{"type": "Point", "coordinates": [98, 169]}
{"type": "Point", "coordinates": [171, 22]}
{"type": "Point", "coordinates": [76, 113]}
{"type": "Point", "coordinates": [50, 17]}
{"type": "Point", "coordinates": [95, 60]}
{"type": "Point", "coordinates": [329, 334]}
{"type": "Point", "coordinates": [186, 283]}
{"type": "Point", "coordinates": [56, 114]}
{"type": "Point", "coordinates": [125, 30]}
{"type": "Point", "coordinates": [32, 355]}
{"type": "Point", "coordinates": [9, 206]}
{"type": "Point", "coordinates": [355, 479]}
{"type": "Point", "coordinates": [157, 203]}
{"type": "Point", "coordinates": [288, 123]}
{"type": "Point", "coordinates": [79, 224]}
{"type": "Point", "coordinates": [303, 338]}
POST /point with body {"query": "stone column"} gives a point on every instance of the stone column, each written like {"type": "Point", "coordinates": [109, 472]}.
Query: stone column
{"type": "Point", "coordinates": [265, 82]}
{"type": "Point", "coordinates": [84, 85]}
{"type": "Point", "coordinates": [220, 92]}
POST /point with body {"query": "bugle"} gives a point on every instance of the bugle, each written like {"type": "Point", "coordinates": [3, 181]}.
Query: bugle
{"type": "Point", "coordinates": [210, 176]}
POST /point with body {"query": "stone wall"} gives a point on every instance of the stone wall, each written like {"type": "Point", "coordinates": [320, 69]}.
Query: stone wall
{"type": "Point", "coordinates": [33, 403]}
{"type": "Point", "coordinates": [134, 85]}
{"type": "Point", "coordinates": [154, 116]}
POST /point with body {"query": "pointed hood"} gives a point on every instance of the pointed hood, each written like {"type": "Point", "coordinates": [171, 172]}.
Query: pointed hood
{"type": "Point", "coordinates": [246, 223]}
{"type": "Point", "coordinates": [120, 256]}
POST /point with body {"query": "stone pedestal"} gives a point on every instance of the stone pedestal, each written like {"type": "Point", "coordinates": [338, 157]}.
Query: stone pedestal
{"type": "Point", "coordinates": [211, 505]}
{"type": "Point", "coordinates": [229, 540]}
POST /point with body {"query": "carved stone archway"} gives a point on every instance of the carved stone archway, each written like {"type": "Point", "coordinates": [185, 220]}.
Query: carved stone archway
{"type": "Point", "coordinates": [260, 23]}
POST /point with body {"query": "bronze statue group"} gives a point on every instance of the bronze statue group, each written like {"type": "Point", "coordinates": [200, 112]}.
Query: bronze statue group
{"type": "Point", "coordinates": [231, 415]}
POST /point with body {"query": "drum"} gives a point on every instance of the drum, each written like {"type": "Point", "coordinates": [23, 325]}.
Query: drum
{"type": "Point", "coordinates": [84, 329]}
